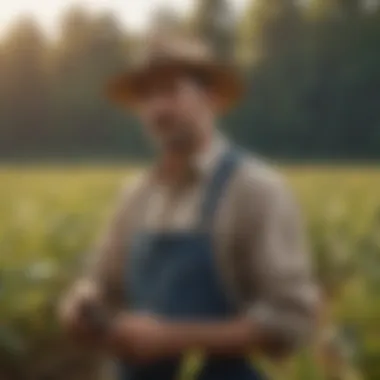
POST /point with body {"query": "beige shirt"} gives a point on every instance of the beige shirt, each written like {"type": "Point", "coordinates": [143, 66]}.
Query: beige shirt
{"type": "Point", "coordinates": [258, 235]}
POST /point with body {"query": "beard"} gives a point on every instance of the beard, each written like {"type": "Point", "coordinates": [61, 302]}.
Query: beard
{"type": "Point", "coordinates": [179, 141]}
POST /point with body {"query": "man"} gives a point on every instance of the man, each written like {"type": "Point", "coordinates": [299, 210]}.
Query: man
{"type": "Point", "coordinates": [205, 252]}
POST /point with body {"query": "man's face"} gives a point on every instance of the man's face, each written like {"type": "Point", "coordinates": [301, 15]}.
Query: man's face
{"type": "Point", "coordinates": [174, 110]}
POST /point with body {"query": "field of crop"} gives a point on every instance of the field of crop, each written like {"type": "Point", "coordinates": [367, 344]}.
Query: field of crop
{"type": "Point", "coordinates": [49, 217]}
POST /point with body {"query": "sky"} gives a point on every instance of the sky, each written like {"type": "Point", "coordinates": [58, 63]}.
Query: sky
{"type": "Point", "coordinates": [134, 13]}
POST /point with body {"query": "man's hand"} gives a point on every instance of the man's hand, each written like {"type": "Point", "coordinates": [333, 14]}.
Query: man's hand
{"type": "Point", "coordinates": [71, 311]}
{"type": "Point", "coordinates": [138, 338]}
{"type": "Point", "coordinates": [144, 338]}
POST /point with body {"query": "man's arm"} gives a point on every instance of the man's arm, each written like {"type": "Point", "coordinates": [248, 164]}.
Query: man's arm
{"type": "Point", "coordinates": [97, 291]}
{"type": "Point", "coordinates": [144, 338]}
{"type": "Point", "coordinates": [284, 298]}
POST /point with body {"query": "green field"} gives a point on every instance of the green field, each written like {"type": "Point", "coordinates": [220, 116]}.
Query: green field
{"type": "Point", "coordinates": [49, 217]}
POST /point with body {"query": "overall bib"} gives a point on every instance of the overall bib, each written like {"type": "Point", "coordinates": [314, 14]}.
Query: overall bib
{"type": "Point", "coordinates": [174, 275]}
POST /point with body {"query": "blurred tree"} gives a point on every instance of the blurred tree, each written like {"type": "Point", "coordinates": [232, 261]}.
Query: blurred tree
{"type": "Point", "coordinates": [214, 21]}
{"type": "Point", "coordinates": [271, 26]}
{"type": "Point", "coordinates": [272, 40]}
{"type": "Point", "coordinates": [324, 8]}
{"type": "Point", "coordinates": [3, 130]}
{"type": "Point", "coordinates": [73, 100]}
{"type": "Point", "coordinates": [90, 50]}
{"type": "Point", "coordinates": [25, 83]}
{"type": "Point", "coordinates": [342, 61]}
{"type": "Point", "coordinates": [337, 8]}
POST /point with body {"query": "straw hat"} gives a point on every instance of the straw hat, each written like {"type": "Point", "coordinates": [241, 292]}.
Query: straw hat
{"type": "Point", "coordinates": [165, 57]}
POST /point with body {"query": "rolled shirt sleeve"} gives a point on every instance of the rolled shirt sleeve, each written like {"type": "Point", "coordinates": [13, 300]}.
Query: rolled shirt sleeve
{"type": "Point", "coordinates": [283, 297]}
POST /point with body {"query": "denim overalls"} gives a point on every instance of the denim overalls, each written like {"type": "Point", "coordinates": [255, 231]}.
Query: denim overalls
{"type": "Point", "coordinates": [173, 275]}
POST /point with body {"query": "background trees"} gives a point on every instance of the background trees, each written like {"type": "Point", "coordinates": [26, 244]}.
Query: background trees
{"type": "Point", "coordinates": [312, 69]}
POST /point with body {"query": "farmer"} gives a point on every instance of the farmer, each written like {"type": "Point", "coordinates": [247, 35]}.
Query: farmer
{"type": "Point", "coordinates": [205, 251]}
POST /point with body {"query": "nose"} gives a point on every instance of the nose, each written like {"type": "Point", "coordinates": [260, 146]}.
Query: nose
{"type": "Point", "coordinates": [161, 104]}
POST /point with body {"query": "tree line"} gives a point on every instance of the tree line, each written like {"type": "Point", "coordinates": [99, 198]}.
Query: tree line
{"type": "Point", "coordinates": [312, 70]}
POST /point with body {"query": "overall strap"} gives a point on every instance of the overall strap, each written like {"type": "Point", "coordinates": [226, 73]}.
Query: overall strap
{"type": "Point", "coordinates": [219, 180]}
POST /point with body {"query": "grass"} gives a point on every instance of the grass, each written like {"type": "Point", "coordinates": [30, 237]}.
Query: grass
{"type": "Point", "coordinates": [50, 215]}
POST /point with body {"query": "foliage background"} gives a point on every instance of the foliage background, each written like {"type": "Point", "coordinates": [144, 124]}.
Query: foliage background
{"type": "Point", "coordinates": [312, 69]}
{"type": "Point", "coordinates": [313, 75]}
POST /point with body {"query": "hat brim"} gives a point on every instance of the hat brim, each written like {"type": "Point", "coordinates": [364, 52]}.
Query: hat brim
{"type": "Point", "coordinates": [223, 81]}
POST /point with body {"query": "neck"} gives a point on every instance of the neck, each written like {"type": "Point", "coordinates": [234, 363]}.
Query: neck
{"type": "Point", "coordinates": [175, 162]}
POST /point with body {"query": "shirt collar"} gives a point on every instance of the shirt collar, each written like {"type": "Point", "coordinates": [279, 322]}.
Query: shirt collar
{"type": "Point", "coordinates": [205, 162]}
